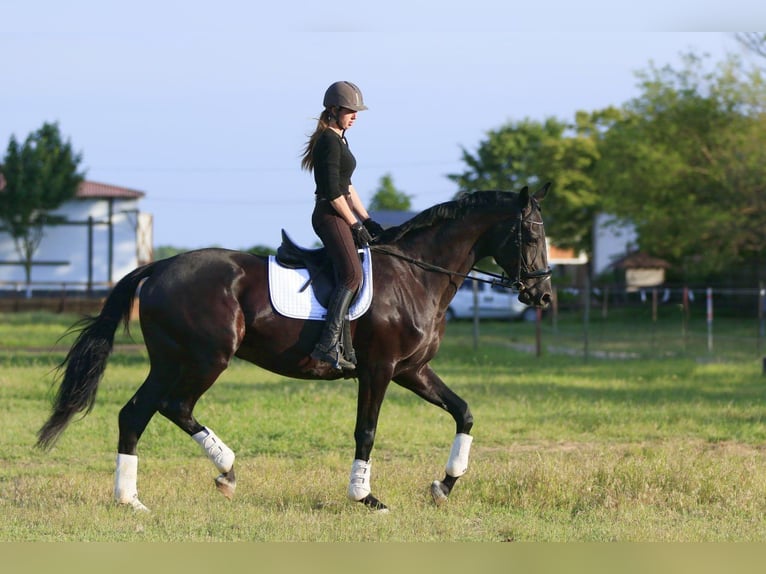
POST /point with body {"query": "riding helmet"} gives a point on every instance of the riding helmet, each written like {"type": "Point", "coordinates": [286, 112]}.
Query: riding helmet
{"type": "Point", "coordinates": [344, 95]}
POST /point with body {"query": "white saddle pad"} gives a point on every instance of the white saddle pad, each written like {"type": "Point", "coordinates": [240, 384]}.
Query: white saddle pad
{"type": "Point", "coordinates": [288, 300]}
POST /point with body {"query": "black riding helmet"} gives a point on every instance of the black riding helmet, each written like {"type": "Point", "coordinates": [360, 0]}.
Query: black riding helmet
{"type": "Point", "coordinates": [344, 95]}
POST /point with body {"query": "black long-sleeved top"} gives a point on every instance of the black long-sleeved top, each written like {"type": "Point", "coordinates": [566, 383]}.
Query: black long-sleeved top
{"type": "Point", "coordinates": [333, 165]}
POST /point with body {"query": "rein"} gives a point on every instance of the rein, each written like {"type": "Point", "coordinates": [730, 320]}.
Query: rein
{"type": "Point", "coordinates": [497, 280]}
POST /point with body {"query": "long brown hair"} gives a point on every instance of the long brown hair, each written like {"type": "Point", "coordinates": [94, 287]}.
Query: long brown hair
{"type": "Point", "coordinates": [307, 159]}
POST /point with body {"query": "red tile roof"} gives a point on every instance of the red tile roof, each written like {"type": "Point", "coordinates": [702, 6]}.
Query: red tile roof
{"type": "Point", "coordinates": [93, 190]}
{"type": "Point", "coordinates": [640, 260]}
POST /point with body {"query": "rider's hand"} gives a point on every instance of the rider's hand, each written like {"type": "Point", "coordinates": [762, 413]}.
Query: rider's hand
{"type": "Point", "coordinates": [362, 237]}
{"type": "Point", "coordinates": [373, 227]}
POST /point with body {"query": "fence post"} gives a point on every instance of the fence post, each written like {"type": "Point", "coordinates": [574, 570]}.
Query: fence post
{"type": "Point", "coordinates": [555, 310]}
{"type": "Point", "coordinates": [538, 332]}
{"type": "Point", "coordinates": [475, 285]}
{"type": "Point", "coordinates": [761, 320]}
{"type": "Point", "coordinates": [62, 300]}
{"type": "Point", "coordinates": [586, 317]}
{"type": "Point", "coordinates": [684, 316]}
{"type": "Point", "coordinates": [709, 298]}
{"type": "Point", "coordinates": [654, 318]}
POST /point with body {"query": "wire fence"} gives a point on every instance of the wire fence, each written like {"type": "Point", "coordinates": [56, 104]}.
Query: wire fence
{"type": "Point", "coordinates": [707, 324]}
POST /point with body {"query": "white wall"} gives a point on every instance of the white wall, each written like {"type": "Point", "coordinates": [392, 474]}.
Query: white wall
{"type": "Point", "coordinates": [611, 241]}
{"type": "Point", "coordinates": [70, 243]}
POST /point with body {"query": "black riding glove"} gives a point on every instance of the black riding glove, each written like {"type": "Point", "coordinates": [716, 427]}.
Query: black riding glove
{"type": "Point", "coordinates": [373, 227]}
{"type": "Point", "coordinates": [362, 237]}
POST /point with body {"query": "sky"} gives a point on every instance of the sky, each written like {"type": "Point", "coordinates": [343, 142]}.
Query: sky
{"type": "Point", "coordinates": [206, 107]}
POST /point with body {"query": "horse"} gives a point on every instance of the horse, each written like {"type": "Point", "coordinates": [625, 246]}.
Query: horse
{"type": "Point", "coordinates": [202, 308]}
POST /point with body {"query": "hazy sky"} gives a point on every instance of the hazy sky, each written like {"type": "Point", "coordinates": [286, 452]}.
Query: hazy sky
{"type": "Point", "coordinates": [205, 107]}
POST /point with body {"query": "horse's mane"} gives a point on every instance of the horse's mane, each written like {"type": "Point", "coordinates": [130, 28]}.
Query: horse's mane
{"type": "Point", "coordinates": [450, 210]}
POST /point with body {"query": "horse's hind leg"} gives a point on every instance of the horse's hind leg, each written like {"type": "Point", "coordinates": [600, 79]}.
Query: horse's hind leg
{"type": "Point", "coordinates": [427, 384]}
{"type": "Point", "coordinates": [133, 418]}
{"type": "Point", "coordinates": [178, 407]}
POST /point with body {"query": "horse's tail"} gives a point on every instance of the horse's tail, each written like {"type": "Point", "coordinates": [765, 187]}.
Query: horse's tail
{"type": "Point", "coordinates": [86, 360]}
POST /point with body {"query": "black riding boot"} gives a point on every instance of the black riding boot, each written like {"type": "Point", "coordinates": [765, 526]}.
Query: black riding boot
{"type": "Point", "coordinates": [328, 349]}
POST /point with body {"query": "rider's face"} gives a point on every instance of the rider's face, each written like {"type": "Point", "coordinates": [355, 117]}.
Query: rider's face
{"type": "Point", "coordinates": [346, 118]}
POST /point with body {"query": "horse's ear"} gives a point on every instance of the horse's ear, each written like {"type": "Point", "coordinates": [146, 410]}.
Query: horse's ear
{"type": "Point", "coordinates": [524, 196]}
{"type": "Point", "coordinates": [542, 192]}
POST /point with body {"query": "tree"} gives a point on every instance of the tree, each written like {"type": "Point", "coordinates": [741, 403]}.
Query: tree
{"type": "Point", "coordinates": [39, 176]}
{"type": "Point", "coordinates": [389, 198]}
{"type": "Point", "coordinates": [264, 250]}
{"type": "Point", "coordinates": [531, 153]}
{"type": "Point", "coordinates": [753, 41]}
{"type": "Point", "coordinates": [165, 251]}
{"type": "Point", "coordinates": [686, 164]}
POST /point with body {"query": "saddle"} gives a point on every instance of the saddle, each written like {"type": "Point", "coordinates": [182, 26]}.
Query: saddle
{"type": "Point", "coordinates": [316, 261]}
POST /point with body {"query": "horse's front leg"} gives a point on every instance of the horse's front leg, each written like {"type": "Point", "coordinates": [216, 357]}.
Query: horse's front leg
{"type": "Point", "coordinates": [427, 384]}
{"type": "Point", "coordinates": [371, 393]}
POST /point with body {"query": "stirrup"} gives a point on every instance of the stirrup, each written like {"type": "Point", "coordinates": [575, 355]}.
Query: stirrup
{"type": "Point", "coordinates": [333, 358]}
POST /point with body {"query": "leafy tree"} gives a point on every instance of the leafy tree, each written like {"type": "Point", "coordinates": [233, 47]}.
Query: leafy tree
{"type": "Point", "coordinates": [165, 251]}
{"type": "Point", "coordinates": [389, 198]}
{"type": "Point", "coordinates": [753, 41]}
{"type": "Point", "coordinates": [531, 153]}
{"type": "Point", "coordinates": [39, 176]}
{"type": "Point", "coordinates": [686, 164]}
{"type": "Point", "coordinates": [261, 250]}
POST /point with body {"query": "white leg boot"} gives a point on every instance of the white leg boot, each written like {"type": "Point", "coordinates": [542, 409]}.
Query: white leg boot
{"type": "Point", "coordinates": [359, 481]}
{"type": "Point", "coordinates": [125, 479]}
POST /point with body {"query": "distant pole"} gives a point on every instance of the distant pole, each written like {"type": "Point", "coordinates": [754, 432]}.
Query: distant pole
{"type": "Point", "coordinates": [761, 314]}
{"type": "Point", "coordinates": [90, 254]}
{"type": "Point", "coordinates": [654, 317]}
{"type": "Point", "coordinates": [709, 298]}
{"type": "Point", "coordinates": [761, 320]}
{"type": "Point", "coordinates": [538, 331]}
{"type": "Point", "coordinates": [475, 285]}
{"type": "Point", "coordinates": [586, 316]}
{"type": "Point", "coordinates": [684, 315]}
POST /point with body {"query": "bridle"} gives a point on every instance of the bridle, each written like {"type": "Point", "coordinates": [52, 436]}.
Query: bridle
{"type": "Point", "coordinates": [522, 270]}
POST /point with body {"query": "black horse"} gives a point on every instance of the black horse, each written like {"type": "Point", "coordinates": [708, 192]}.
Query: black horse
{"type": "Point", "coordinates": [200, 309]}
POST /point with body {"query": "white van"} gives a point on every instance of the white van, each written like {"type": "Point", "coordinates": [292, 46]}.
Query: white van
{"type": "Point", "coordinates": [494, 302]}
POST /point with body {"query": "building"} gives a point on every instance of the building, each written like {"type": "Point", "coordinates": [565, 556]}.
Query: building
{"type": "Point", "coordinates": [103, 237]}
{"type": "Point", "coordinates": [641, 270]}
{"type": "Point", "coordinates": [612, 239]}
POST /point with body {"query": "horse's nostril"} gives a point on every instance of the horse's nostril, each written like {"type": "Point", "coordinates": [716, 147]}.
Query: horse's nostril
{"type": "Point", "coordinates": [545, 299]}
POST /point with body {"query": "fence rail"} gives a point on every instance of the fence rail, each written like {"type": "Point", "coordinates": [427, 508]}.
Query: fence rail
{"type": "Point", "coordinates": [706, 323]}
{"type": "Point", "coordinates": [55, 296]}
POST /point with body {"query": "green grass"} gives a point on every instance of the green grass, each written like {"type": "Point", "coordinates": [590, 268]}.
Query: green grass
{"type": "Point", "coordinates": [666, 449]}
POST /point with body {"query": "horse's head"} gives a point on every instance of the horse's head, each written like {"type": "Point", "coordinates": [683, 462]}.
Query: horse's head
{"type": "Point", "coordinates": [522, 252]}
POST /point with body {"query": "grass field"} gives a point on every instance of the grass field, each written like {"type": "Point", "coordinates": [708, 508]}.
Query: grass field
{"type": "Point", "coordinates": [649, 449]}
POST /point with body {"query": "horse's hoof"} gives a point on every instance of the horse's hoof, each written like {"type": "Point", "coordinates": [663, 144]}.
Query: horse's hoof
{"type": "Point", "coordinates": [134, 503]}
{"type": "Point", "coordinates": [374, 504]}
{"type": "Point", "coordinates": [226, 484]}
{"type": "Point", "coordinates": [439, 492]}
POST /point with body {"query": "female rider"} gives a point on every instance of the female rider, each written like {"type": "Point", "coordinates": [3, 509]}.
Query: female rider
{"type": "Point", "coordinates": [339, 218]}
